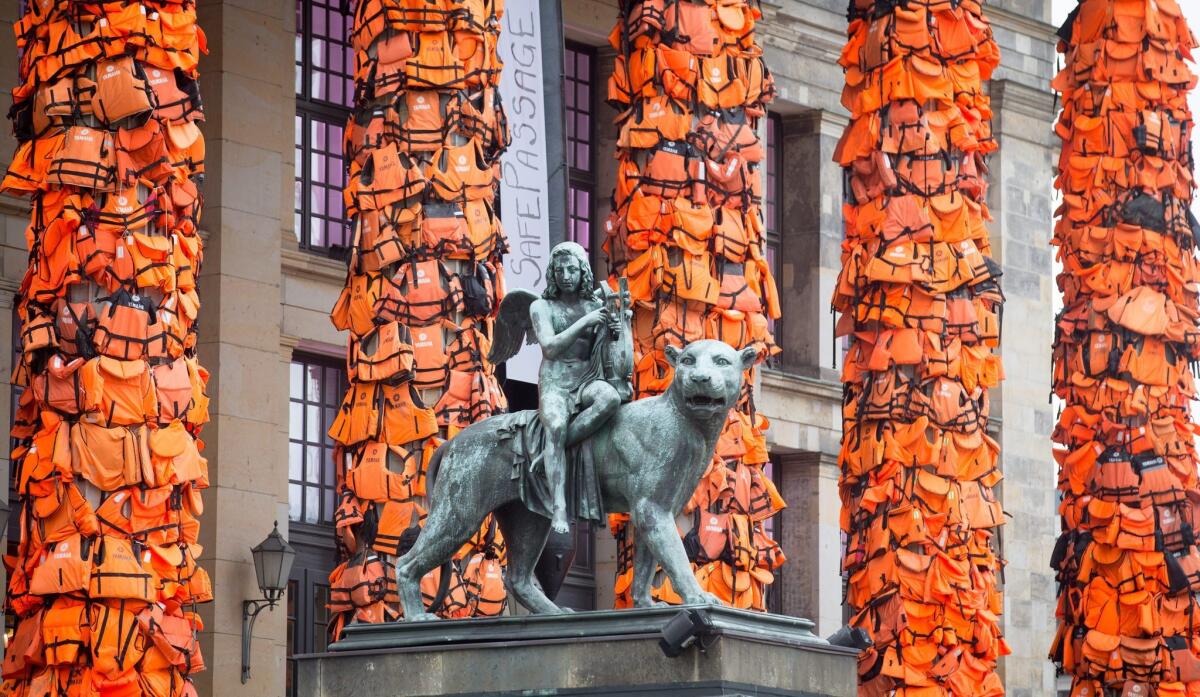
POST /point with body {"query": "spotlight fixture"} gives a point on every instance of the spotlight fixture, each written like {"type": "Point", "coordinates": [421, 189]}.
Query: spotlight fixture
{"type": "Point", "coordinates": [684, 629]}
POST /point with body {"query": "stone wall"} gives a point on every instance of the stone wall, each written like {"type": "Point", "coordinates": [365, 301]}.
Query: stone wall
{"type": "Point", "coordinates": [247, 85]}
{"type": "Point", "coordinates": [264, 297]}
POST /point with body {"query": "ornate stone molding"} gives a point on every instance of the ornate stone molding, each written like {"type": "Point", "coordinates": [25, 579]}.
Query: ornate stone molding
{"type": "Point", "coordinates": [800, 385]}
{"type": "Point", "coordinates": [301, 263]}
{"type": "Point", "coordinates": [1010, 95]}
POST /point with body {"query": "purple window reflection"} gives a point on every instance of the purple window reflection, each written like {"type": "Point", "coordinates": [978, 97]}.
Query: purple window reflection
{"type": "Point", "coordinates": [324, 93]}
{"type": "Point", "coordinates": [577, 118]}
{"type": "Point", "coordinates": [317, 386]}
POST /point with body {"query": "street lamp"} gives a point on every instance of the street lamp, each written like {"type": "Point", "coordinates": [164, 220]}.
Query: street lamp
{"type": "Point", "coordinates": [273, 559]}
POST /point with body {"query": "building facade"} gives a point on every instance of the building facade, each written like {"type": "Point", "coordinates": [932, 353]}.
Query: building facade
{"type": "Point", "coordinates": [274, 222]}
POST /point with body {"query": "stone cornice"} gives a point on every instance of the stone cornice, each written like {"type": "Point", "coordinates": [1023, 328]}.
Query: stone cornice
{"type": "Point", "coordinates": [798, 384]}
{"type": "Point", "coordinates": [827, 461]}
{"type": "Point", "coordinates": [1010, 95]}
{"type": "Point", "coordinates": [1033, 28]}
{"type": "Point", "coordinates": [821, 121]}
{"type": "Point", "coordinates": [287, 346]}
{"type": "Point", "coordinates": [799, 33]}
{"type": "Point", "coordinates": [298, 262]}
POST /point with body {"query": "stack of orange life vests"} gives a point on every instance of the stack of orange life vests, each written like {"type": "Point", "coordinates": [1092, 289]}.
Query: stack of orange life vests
{"type": "Point", "coordinates": [424, 282]}
{"type": "Point", "coordinates": [687, 230]}
{"type": "Point", "coordinates": [107, 462]}
{"type": "Point", "coordinates": [920, 303]}
{"type": "Point", "coordinates": [1125, 344]}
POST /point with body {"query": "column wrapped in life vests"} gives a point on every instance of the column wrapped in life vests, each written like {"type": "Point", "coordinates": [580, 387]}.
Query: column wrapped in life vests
{"type": "Point", "coordinates": [107, 461]}
{"type": "Point", "coordinates": [423, 285]}
{"type": "Point", "coordinates": [1126, 340]}
{"type": "Point", "coordinates": [920, 302]}
{"type": "Point", "coordinates": [687, 230]}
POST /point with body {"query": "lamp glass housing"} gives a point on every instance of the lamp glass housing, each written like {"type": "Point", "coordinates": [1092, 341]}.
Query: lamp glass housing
{"type": "Point", "coordinates": [273, 558]}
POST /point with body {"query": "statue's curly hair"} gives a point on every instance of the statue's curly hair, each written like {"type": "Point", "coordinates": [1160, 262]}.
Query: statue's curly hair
{"type": "Point", "coordinates": [587, 280]}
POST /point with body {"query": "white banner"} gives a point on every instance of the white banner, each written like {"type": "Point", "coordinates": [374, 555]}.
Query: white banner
{"type": "Point", "coordinates": [524, 191]}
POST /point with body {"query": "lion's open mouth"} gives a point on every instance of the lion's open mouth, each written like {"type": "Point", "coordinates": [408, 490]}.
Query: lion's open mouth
{"type": "Point", "coordinates": [703, 401]}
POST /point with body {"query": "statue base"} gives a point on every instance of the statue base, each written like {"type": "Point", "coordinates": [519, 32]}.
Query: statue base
{"type": "Point", "coordinates": [586, 653]}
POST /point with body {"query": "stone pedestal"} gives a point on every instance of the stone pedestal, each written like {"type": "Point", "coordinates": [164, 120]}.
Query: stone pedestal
{"type": "Point", "coordinates": [587, 653]}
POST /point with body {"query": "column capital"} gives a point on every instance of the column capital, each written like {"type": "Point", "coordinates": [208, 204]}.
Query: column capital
{"type": "Point", "coordinates": [1010, 95]}
{"type": "Point", "coordinates": [287, 346]}
{"type": "Point", "coordinates": [807, 458]}
{"type": "Point", "coordinates": [817, 121]}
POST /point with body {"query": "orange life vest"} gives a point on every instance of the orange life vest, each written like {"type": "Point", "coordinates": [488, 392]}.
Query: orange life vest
{"type": "Point", "coordinates": [87, 159]}
{"type": "Point", "coordinates": [120, 90]}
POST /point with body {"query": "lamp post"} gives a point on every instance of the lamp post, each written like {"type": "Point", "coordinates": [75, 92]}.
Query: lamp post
{"type": "Point", "coordinates": [273, 559]}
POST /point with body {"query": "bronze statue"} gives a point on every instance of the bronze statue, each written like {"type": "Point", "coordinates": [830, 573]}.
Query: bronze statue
{"type": "Point", "coordinates": [587, 451]}
{"type": "Point", "coordinates": [576, 394]}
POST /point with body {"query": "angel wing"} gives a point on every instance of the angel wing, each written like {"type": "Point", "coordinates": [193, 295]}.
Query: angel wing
{"type": "Point", "coordinates": [512, 324]}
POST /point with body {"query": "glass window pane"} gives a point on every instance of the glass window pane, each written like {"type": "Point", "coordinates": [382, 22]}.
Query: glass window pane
{"type": "Point", "coordinates": [296, 378]}
{"type": "Point", "coordinates": [334, 234]}
{"type": "Point", "coordinates": [321, 618]}
{"type": "Point", "coordinates": [312, 503]}
{"type": "Point", "coordinates": [316, 231]}
{"type": "Point", "coordinates": [333, 203]}
{"type": "Point", "coordinates": [330, 416]}
{"type": "Point", "coordinates": [312, 387]}
{"type": "Point", "coordinates": [317, 52]}
{"type": "Point", "coordinates": [327, 476]}
{"type": "Point", "coordinates": [329, 506]}
{"type": "Point", "coordinates": [295, 460]}
{"type": "Point", "coordinates": [317, 135]}
{"type": "Point", "coordinates": [296, 420]}
{"type": "Point", "coordinates": [294, 501]}
{"type": "Point", "coordinates": [316, 167]}
{"type": "Point", "coordinates": [312, 423]}
{"type": "Point", "coordinates": [312, 464]}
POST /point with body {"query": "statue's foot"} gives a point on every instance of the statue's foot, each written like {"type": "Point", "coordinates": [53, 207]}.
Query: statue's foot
{"type": "Point", "coordinates": [560, 525]}
{"type": "Point", "coordinates": [422, 617]}
{"type": "Point", "coordinates": [702, 598]}
{"type": "Point", "coordinates": [648, 601]}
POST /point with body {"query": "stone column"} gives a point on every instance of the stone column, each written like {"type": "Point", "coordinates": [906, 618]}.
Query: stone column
{"type": "Point", "coordinates": [810, 223]}
{"type": "Point", "coordinates": [809, 534]}
{"type": "Point", "coordinates": [247, 85]}
{"type": "Point", "coordinates": [1020, 200]}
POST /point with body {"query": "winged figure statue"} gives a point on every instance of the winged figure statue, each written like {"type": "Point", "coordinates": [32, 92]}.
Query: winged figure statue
{"type": "Point", "coordinates": [587, 358]}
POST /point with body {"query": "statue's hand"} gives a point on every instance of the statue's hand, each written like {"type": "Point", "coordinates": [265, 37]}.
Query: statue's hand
{"type": "Point", "coordinates": [595, 317]}
{"type": "Point", "coordinates": [613, 320]}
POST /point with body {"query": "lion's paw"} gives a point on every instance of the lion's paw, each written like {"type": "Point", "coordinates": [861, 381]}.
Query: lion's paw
{"type": "Point", "coordinates": [422, 617]}
{"type": "Point", "coordinates": [649, 602]}
{"type": "Point", "coordinates": [703, 598]}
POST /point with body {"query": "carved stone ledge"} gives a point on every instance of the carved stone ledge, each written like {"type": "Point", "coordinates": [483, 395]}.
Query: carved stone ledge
{"type": "Point", "coordinates": [587, 653]}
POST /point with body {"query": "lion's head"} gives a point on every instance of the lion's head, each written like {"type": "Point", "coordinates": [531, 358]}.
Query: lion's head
{"type": "Point", "coordinates": [708, 376]}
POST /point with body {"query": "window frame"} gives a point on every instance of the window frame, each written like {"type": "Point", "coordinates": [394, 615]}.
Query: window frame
{"type": "Point", "coordinates": [327, 477]}
{"type": "Point", "coordinates": [580, 179]}
{"type": "Point", "coordinates": [309, 110]}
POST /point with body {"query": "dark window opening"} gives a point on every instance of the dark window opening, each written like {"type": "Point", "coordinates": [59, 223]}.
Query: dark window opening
{"type": "Point", "coordinates": [315, 390]}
